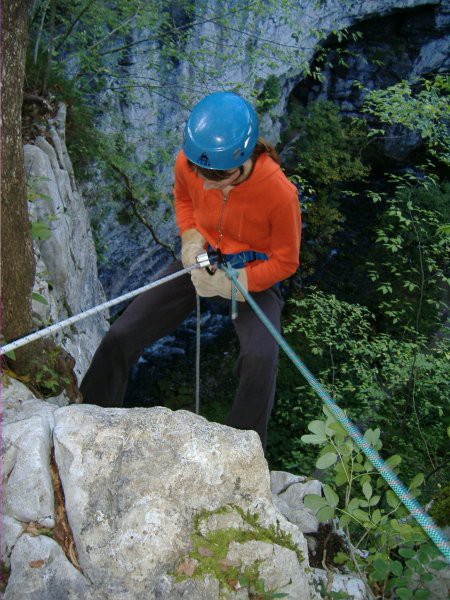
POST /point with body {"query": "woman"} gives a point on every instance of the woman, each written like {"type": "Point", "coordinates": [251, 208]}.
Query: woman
{"type": "Point", "coordinates": [230, 196]}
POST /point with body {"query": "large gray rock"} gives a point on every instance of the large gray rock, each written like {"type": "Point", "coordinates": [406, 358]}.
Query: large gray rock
{"type": "Point", "coordinates": [124, 475]}
{"type": "Point", "coordinates": [27, 439]}
{"type": "Point", "coordinates": [68, 258]}
{"type": "Point", "coordinates": [288, 491]}
{"type": "Point", "coordinates": [40, 571]}
{"type": "Point", "coordinates": [28, 489]}
{"type": "Point", "coordinates": [135, 479]}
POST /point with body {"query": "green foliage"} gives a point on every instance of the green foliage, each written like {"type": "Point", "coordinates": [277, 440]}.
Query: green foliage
{"type": "Point", "coordinates": [440, 510]}
{"type": "Point", "coordinates": [323, 220]}
{"type": "Point", "coordinates": [408, 263]}
{"type": "Point", "coordinates": [270, 95]}
{"type": "Point", "coordinates": [394, 384]}
{"type": "Point", "coordinates": [325, 156]}
{"type": "Point", "coordinates": [40, 230]}
{"type": "Point", "coordinates": [39, 298]}
{"type": "Point", "coordinates": [374, 340]}
{"type": "Point", "coordinates": [398, 556]}
{"type": "Point", "coordinates": [84, 141]}
{"type": "Point", "coordinates": [11, 354]}
{"type": "Point", "coordinates": [259, 588]}
{"type": "Point", "coordinates": [423, 107]}
{"type": "Point", "coordinates": [47, 376]}
{"type": "Point", "coordinates": [328, 149]}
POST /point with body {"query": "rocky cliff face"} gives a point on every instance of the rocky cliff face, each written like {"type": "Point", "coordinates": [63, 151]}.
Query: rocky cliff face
{"type": "Point", "coordinates": [66, 265]}
{"type": "Point", "coordinates": [245, 51]}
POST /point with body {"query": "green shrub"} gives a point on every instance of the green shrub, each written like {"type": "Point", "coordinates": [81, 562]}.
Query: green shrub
{"type": "Point", "coordinates": [397, 558]}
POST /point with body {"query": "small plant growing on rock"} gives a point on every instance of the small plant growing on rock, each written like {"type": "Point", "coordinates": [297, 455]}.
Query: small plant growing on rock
{"type": "Point", "coordinates": [387, 549]}
{"type": "Point", "coordinates": [210, 552]}
{"type": "Point", "coordinates": [260, 592]}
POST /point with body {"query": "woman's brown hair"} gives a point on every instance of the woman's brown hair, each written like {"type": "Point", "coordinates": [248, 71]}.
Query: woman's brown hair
{"type": "Point", "coordinates": [262, 147]}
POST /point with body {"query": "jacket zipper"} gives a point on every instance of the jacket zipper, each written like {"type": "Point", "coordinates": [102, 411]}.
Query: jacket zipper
{"type": "Point", "coordinates": [219, 222]}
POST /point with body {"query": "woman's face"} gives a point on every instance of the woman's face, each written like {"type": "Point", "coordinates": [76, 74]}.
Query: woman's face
{"type": "Point", "coordinates": [220, 185]}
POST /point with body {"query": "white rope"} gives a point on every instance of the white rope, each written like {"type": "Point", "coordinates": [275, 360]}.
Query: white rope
{"type": "Point", "coordinates": [32, 337]}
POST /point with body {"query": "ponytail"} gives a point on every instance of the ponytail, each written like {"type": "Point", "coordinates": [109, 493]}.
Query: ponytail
{"type": "Point", "coordinates": [265, 147]}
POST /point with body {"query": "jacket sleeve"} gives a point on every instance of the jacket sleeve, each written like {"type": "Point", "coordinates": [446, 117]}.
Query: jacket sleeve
{"type": "Point", "coordinates": [184, 208]}
{"type": "Point", "coordinates": [285, 222]}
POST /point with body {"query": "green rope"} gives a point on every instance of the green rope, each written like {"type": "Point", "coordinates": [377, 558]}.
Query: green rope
{"type": "Point", "coordinates": [416, 510]}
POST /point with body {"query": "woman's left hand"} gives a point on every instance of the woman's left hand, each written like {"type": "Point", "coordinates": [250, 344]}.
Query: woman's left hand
{"type": "Point", "coordinates": [217, 284]}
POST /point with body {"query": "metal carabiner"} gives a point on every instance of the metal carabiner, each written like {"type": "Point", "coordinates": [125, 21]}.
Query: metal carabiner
{"type": "Point", "coordinates": [215, 257]}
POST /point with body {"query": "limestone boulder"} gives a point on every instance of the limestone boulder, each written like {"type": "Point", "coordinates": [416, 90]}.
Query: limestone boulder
{"type": "Point", "coordinates": [288, 491]}
{"type": "Point", "coordinates": [28, 495]}
{"type": "Point", "coordinates": [352, 586]}
{"type": "Point", "coordinates": [27, 483]}
{"type": "Point", "coordinates": [40, 571]}
{"type": "Point", "coordinates": [134, 479]}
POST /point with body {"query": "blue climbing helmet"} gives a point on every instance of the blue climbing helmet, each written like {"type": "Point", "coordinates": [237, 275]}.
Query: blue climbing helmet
{"type": "Point", "coordinates": [221, 132]}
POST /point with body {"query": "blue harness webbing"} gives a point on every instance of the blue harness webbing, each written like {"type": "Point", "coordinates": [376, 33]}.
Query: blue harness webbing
{"type": "Point", "coordinates": [238, 260]}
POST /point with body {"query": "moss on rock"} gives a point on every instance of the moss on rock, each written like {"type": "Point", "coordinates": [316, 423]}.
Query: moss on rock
{"type": "Point", "coordinates": [210, 548]}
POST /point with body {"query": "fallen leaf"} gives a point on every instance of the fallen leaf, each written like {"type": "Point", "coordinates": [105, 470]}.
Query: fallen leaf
{"type": "Point", "coordinates": [204, 551]}
{"type": "Point", "coordinates": [187, 567]}
{"type": "Point", "coordinates": [32, 529]}
{"type": "Point", "coordinates": [225, 564]}
{"type": "Point", "coordinates": [36, 564]}
{"type": "Point", "coordinates": [233, 583]}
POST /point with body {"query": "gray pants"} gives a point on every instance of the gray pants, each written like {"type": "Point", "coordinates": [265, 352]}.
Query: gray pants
{"type": "Point", "coordinates": [157, 313]}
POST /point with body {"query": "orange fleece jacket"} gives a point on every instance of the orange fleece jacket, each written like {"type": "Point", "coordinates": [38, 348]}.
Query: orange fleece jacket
{"type": "Point", "coordinates": [262, 214]}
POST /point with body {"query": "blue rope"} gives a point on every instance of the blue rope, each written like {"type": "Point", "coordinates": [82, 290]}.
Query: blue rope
{"type": "Point", "coordinates": [416, 510]}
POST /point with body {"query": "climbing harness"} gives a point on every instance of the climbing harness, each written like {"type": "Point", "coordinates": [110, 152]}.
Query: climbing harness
{"type": "Point", "coordinates": [416, 510]}
{"type": "Point", "coordinates": [235, 261]}
{"type": "Point", "coordinates": [202, 261]}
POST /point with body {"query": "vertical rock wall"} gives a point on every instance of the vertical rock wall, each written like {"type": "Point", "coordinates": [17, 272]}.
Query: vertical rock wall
{"type": "Point", "coordinates": [66, 264]}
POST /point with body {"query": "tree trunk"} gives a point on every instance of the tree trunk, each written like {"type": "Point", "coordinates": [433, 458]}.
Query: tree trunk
{"type": "Point", "coordinates": [17, 265]}
{"type": "Point", "coordinates": [17, 259]}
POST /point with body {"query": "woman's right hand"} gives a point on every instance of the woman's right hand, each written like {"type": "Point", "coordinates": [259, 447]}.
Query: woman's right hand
{"type": "Point", "coordinates": [192, 244]}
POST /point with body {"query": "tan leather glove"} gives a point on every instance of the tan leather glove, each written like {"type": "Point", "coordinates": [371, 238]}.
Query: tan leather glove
{"type": "Point", "coordinates": [192, 244]}
{"type": "Point", "coordinates": [218, 284]}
